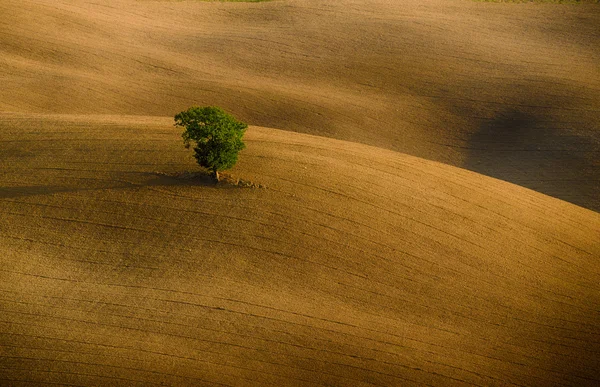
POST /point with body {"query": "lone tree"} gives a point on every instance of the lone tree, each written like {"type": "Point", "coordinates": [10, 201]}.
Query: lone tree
{"type": "Point", "coordinates": [218, 136]}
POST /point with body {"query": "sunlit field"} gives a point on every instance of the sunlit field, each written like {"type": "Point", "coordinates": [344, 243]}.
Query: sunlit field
{"type": "Point", "coordinates": [417, 202]}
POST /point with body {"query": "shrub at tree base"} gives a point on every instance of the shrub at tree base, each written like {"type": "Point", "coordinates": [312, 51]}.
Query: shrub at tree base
{"type": "Point", "coordinates": [217, 136]}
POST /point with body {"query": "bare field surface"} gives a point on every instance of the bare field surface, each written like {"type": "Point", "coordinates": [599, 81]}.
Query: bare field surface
{"type": "Point", "coordinates": [507, 90]}
{"type": "Point", "coordinates": [355, 266]}
{"type": "Point", "coordinates": [364, 245]}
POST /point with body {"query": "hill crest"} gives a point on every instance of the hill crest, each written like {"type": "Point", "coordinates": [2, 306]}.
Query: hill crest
{"type": "Point", "coordinates": [351, 268]}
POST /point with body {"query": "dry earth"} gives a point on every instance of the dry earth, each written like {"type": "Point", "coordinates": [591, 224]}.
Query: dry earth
{"type": "Point", "coordinates": [507, 90]}
{"type": "Point", "coordinates": [356, 265]}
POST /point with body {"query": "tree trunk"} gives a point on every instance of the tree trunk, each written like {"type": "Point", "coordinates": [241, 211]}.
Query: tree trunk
{"type": "Point", "coordinates": [216, 174]}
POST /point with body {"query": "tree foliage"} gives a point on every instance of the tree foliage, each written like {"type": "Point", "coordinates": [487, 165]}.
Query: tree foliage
{"type": "Point", "coordinates": [216, 134]}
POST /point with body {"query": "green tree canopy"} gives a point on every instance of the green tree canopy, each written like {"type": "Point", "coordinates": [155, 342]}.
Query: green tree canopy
{"type": "Point", "coordinates": [217, 136]}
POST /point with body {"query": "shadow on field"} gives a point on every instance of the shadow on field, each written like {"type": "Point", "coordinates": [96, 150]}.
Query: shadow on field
{"type": "Point", "coordinates": [524, 148]}
{"type": "Point", "coordinates": [201, 178]}
{"type": "Point", "coordinates": [32, 190]}
{"type": "Point", "coordinates": [157, 179]}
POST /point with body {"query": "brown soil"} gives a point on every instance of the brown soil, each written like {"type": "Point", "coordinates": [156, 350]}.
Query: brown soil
{"type": "Point", "coordinates": [359, 263]}
{"type": "Point", "coordinates": [507, 90]}
{"type": "Point", "coordinates": [357, 266]}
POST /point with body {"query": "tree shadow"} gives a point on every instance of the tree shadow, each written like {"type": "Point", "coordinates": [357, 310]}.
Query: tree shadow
{"type": "Point", "coordinates": [31, 190]}
{"type": "Point", "coordinates": [152, 179]}
{"type": "Point", "coordinates": [186, 178]}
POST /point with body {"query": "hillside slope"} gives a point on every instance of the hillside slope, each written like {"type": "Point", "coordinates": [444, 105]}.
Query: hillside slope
{"type": "Point", "coordinates": [507, 90]}
{"type": "Point", "coordinates": [355, 266]}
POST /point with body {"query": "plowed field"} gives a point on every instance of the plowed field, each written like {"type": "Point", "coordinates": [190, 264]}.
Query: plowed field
{"type": "Point", "coordinates": [359, 243]}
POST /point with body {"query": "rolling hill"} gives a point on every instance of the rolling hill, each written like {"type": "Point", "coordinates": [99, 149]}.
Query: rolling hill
{"type": "Point", "coordinates": [418, 202]}
{"type": "Point", "coordinates": [507, 90]}
{"type": "Point", "coordinates": [354, 266]}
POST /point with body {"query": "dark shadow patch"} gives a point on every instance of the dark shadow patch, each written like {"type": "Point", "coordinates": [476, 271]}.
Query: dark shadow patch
{"type": "Point", "coordinates": [157, 179]}
{"type": "Point", "coordinates": [7, 155]}
{"type": "Point", "coordinates": [32, 190]}
{"type": "Point", "coordinates": [509, 130]}
{"type": "Point", "coordinates": [522, 146]}
{"type": "Point", "coordinates": [200, 178]}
